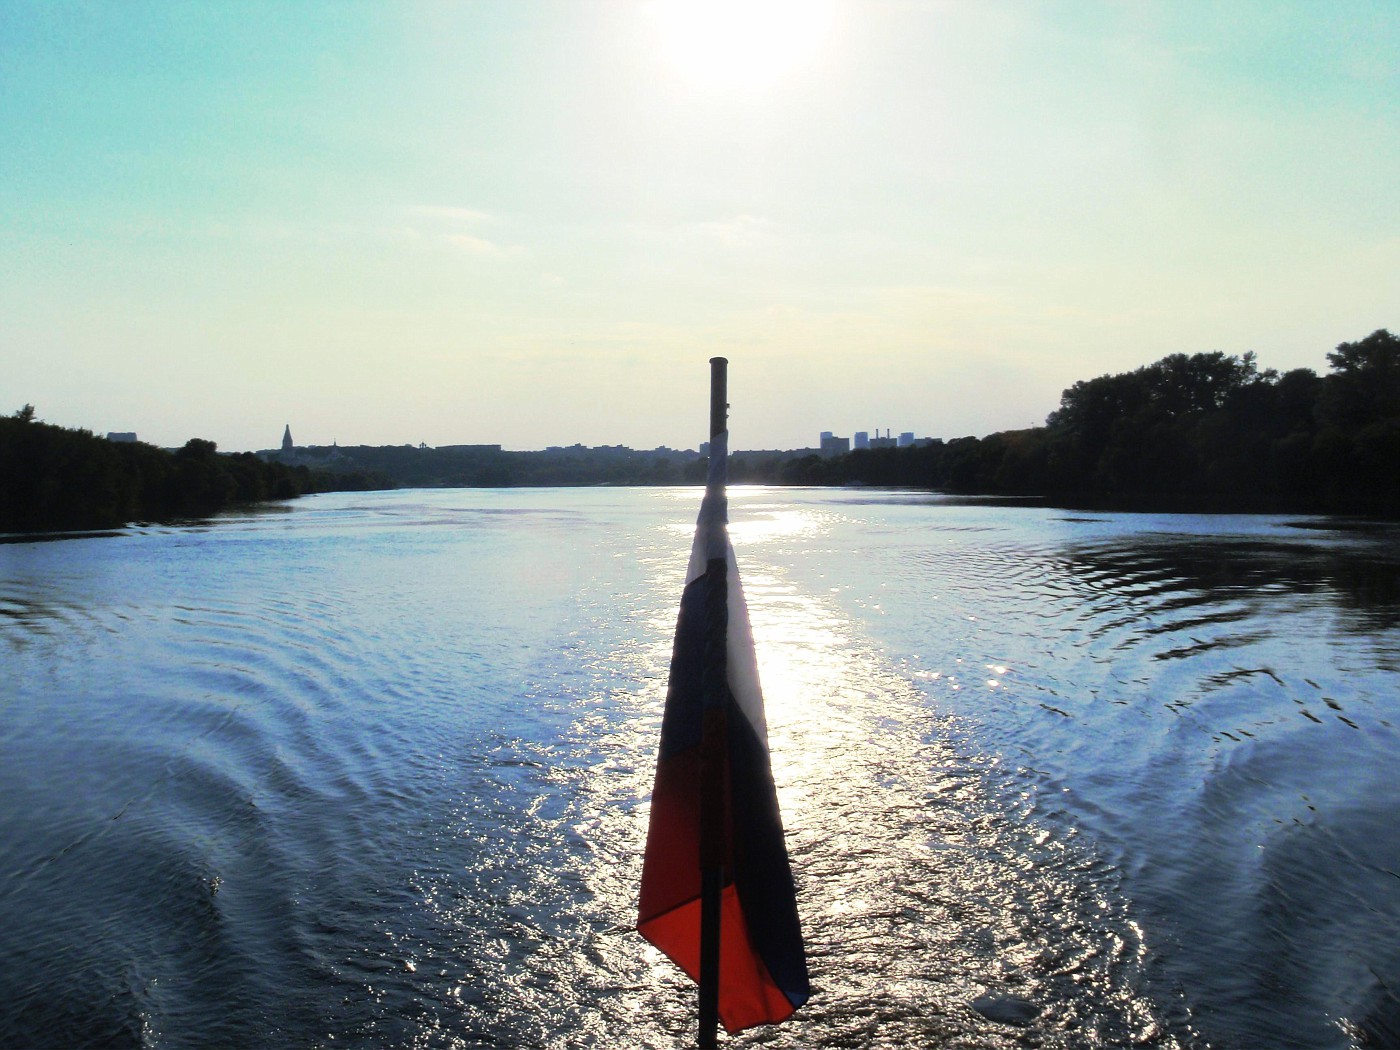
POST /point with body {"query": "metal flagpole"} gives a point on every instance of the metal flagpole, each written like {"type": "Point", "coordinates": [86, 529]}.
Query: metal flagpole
{"type": "Point", "coordinates": [712, 761]}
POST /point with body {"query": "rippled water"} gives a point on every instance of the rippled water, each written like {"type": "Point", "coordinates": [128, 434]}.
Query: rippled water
{"type": "Point", "coordinates": [372, 770]}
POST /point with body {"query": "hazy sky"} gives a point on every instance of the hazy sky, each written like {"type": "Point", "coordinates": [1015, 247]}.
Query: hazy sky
{"type": "Point", "coordinates": [533, 223]}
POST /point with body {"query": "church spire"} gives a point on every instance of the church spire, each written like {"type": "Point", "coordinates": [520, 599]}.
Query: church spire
{"type": "Point", "coordinates": [287, 445]}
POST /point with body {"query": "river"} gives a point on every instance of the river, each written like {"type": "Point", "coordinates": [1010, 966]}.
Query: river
{"type": "Point", "coordinates": [367, 770]}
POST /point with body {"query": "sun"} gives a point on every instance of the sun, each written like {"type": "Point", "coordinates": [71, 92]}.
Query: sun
{"type": "Point", "coordinates": [724, 44]}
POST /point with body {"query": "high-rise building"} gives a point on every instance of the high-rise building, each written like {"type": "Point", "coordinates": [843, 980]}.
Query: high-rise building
{"type": "Point", "coordinates": [862, 439]}
{"type": "Point", "coordinates": [906, 439]}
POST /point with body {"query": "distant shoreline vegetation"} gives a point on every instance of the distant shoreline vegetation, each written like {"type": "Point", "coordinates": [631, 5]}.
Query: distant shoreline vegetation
{"type": "Point", "coordinates": [55, 479]}
{"type": "Point", "coordinates": [1204, 432]}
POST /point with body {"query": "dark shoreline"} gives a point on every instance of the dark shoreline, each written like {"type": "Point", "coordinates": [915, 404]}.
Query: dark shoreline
{"type": "Point", "coordinates": [1204, 433]}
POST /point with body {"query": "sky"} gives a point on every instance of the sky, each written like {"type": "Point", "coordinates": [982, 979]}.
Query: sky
{"type": "Point", "coordinates": [532, 223]}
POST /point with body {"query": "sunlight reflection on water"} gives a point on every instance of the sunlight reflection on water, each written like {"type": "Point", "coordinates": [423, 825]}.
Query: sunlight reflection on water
{"type": "Point", "coordinates": [909, 917]}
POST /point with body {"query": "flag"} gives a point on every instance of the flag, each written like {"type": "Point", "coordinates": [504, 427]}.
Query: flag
{"type": "Point", "coordinates": [714, 679]}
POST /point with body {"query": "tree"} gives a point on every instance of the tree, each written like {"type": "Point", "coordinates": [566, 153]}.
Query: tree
{"type": "Point", "coordinates": [1186, 384]}
{"type": "Point", "coordinates": [1379, 352]}
{"type": "Point", "coordinates": [1364, 387]}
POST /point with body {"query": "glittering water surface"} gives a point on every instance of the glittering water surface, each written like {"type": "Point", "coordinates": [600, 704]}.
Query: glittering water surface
{"type": "Point", "coordinates": [373, 770]}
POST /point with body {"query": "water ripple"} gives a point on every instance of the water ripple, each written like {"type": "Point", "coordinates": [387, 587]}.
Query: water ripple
{"type": "Point", "coordinates": [375, 771]}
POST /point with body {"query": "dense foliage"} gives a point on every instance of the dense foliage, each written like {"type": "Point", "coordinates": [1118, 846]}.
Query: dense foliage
{"type": "Point", "coordinates": [54, 478]}
{"type": "Point", "coordinates": [1202, 431]}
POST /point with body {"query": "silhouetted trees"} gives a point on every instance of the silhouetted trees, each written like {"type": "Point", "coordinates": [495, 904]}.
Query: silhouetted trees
{"type": "Point", "coordinates": [1204, 431]}
{"type": "Point", "coordinates": [56, 478]}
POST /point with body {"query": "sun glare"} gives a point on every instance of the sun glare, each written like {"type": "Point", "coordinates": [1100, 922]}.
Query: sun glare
{"type": "Point", "coordinates": [740, 43]}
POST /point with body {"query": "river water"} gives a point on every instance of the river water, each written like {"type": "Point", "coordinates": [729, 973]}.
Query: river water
{"type": "Point", "coordinates": [369, 770]}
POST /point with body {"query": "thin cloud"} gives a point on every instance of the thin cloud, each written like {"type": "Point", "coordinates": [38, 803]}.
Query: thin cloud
{"type": "Point", "coordinates": [457, 227]}
{"type": "Point", "coordinates": [740, 231]}
{"type": "Point", "coordinates": [475, 245]}
{"type": "Point", "coordinates": [451, 213]}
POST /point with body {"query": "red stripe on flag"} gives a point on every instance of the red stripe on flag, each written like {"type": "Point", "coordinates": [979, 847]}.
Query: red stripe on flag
{"type": "Point", "coordinates": [747, 994]}
{"type": "Point", "coordinates": [671, 870]}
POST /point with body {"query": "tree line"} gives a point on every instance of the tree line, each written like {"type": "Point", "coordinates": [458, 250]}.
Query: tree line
{"type": "Point", "coordinates": [1205, 431]}
{"type": "Point", "coordinates": [59, 478]}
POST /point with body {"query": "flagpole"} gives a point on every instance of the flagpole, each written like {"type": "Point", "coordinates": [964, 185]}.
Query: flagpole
{"type": "Point", "coordinates": [712, 743]}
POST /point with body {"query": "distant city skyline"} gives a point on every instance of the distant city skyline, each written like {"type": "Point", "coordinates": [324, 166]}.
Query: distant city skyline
{"type": "Point", "coordinates": [533, 222]}
{"type": "Point", "coordinates": [856, 439]}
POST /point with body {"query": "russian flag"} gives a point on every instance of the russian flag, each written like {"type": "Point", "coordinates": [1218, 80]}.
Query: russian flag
{"type": "Point", "coordinates": [714, 680]}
